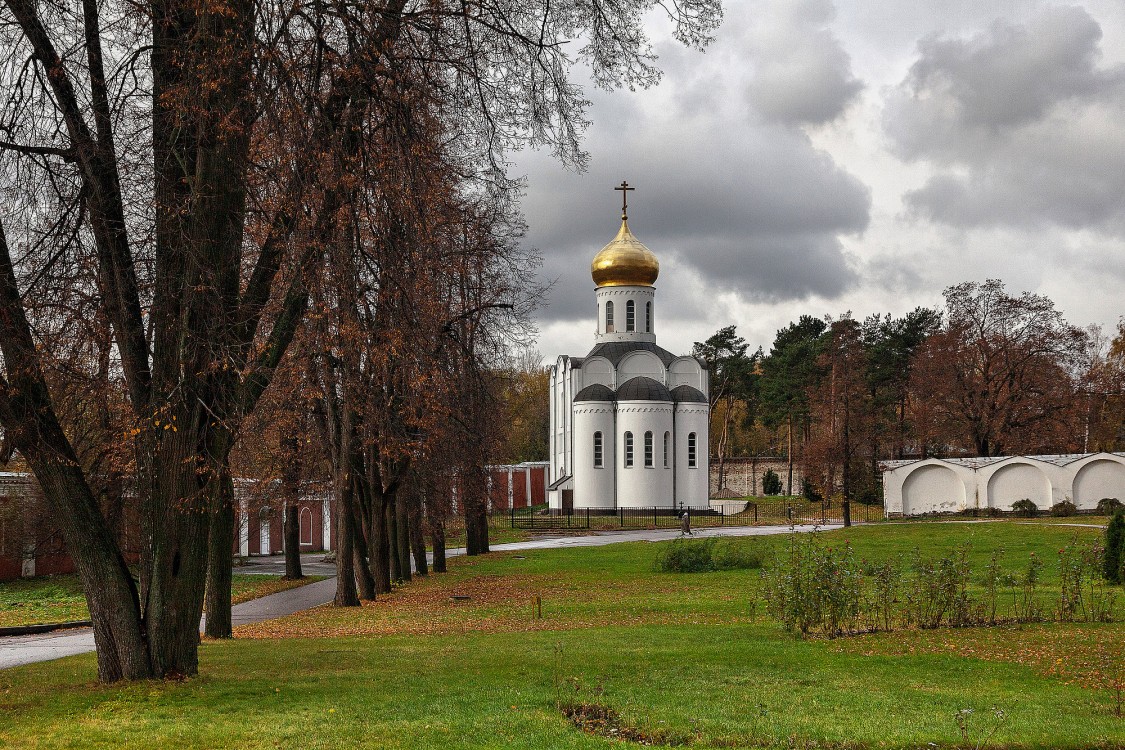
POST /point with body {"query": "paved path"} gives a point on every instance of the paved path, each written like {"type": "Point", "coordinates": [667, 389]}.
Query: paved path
{"type": "Point", "coordinates": [28, 649]}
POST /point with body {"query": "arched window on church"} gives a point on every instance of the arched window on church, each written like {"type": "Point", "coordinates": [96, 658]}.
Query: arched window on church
{"type": "Point", "coordinates": [667, 437]}
{"type": "Point", "coordinates": [628, 450]}
{"type": "Point", "coordinates": [691, 450]}
{"type": "Point", "coordinates": [648, 317]}
{"type": "Point", "coordinates": [598, 450]}
{"type": "Point", "coordinates": [630, 316]}
{"type": "Point", "coordinates": [609, 317]}
{"type": "Point", "coordinates": [648, 450]}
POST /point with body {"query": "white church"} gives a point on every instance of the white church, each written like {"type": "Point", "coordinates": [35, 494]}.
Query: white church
{"type": "Point", "coordinates": [629, 420]}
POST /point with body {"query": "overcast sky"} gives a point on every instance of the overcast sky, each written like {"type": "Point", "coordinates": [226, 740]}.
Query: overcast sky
{"type": "Point", "coordinates": [855, 155]}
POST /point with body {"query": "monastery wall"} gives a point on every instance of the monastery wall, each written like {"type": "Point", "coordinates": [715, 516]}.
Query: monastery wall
{"type": "Point", "coordinates": [744, 475]}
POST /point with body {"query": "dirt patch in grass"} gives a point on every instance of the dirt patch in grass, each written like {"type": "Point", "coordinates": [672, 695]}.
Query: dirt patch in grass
{"type": "Point", "coordinates": [604, 721]}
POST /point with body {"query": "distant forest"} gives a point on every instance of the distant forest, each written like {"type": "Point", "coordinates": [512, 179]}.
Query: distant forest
{"type": "Point", "coordinates": [990, 374]}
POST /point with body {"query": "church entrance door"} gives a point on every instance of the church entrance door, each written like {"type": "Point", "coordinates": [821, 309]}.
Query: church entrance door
{"type": "Point", "coordinates": [567, 501]}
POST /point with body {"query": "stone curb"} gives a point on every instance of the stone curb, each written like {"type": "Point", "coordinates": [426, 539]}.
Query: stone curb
{"type": "Point", "coordinates": [44, 628]}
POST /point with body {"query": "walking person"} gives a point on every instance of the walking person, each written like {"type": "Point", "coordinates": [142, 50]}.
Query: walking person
{"type": "Point", "coordinates": [685, 525]}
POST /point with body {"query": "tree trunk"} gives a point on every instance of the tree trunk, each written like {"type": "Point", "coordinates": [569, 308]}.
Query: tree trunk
{"type": "Point", "coordinates": [365, 584]}
{"type": "Point", "coordinates": [346, 595]}
{"type": "Point", "coordinates": [476, 511]}
{"type": "Point", "coordinates": [378, 546]}
{"type": "Point", "coordinates": [417, 536]}
{"type": "Point", "coordinates": [402, 533]}
{"type": "Point", "coordinates": [437, 539]}
{"type": "Point", "coordinates": [789, 483]}
{"type": "Point", "coordinates": [220, 562]}
{"type": "Point", "coordinates": [435, 520]}
{"type": "Point", "coordinates": [291, 522]}
{"type": "Point", "coordinates": [394, 563]}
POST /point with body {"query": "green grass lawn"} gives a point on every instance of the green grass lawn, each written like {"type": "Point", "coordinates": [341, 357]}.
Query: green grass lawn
{"type": "Point", "coordinates": [681, 659]}
{"type": "Point", "coordinates": [50, 599]}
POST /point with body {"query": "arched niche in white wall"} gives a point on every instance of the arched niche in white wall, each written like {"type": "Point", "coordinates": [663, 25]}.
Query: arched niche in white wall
{"type": "Point", "coordinates": [1019, 481]}
{"type": "Point", "coordinates": [1104, 477]}
{"type": "Point", "coordinates": [597, 370]}
{"type": "Point", "coordinates": [640, 364]}
{"type": "Point", "coordinates": [685, 371]}
{"type": "Point", "coordinates": [932, 489]}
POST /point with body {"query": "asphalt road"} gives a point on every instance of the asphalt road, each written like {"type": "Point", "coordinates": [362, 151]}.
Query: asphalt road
{"type": "Point", "coordinates": [28, 649]}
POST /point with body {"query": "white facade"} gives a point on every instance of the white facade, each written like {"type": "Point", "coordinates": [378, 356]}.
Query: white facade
{"type": "Point", "coordinates": [936, 485]}
{"type": "Point", "coordinates": [629, 421]}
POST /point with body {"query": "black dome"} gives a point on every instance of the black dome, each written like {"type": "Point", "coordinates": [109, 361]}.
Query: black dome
{"type": "Point", "coordinates": [595, 392]}
{"type": "Point", "coordinates": [643, 389]}
{"type": "Point", "coordinates": [685, 394]}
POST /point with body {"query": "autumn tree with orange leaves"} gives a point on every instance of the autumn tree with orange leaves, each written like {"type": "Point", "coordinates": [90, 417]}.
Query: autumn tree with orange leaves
{"type": "Point", "coordinates": [196, 160]}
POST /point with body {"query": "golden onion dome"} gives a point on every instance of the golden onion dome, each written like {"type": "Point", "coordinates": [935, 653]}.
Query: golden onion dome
{"type": "Point", "coordinates": [625, 261]}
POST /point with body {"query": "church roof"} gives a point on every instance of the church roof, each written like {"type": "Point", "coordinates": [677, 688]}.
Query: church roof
{"type": "Point", "coordinates": [595, 392]}
{"type": "Point", "coordinates": [686, 394]}
{"type": "Point", "coordinates": [614, 351]}
{"type": "Point", "coordinates": [643, 389]}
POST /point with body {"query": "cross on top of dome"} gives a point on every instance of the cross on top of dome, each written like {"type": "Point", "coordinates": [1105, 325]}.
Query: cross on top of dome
{"type": "Point", "coordinates": [624, 188]}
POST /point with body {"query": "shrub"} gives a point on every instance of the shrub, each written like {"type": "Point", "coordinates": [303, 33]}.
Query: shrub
{"type": "Point", "coordinates": [685, 556]}
{"type": "Point", "coordinates": [1107, 506]}
{"type": "Point", "coordinates": [726, 554]}
{"type": "Point", "coordinates": [1064, 509]}
{"type": "Point", "coordinates": [771, 483]}
{"type": "Point", "coordinates": [1026, 507]}
{"type": "Point", "coordinates": [939, 590]}
{"type": "Point", "coordinates": [810, 587]}
{"type": "Point", "coordinates": [1114, 541]}
{"type": "Point", "coordinates": [810, 492]}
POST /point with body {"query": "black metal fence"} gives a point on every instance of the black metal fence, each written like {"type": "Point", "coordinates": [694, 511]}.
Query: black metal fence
{"type": "Point", "coordinates": [798, 512]}
{"type": "Point", "coordinates": [755, 514]}
{"type": "Point", "coordinates": [610, 518]}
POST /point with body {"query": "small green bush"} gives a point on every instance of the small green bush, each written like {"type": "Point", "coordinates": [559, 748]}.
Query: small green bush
{"type": "Point", "coordinates": [1026, 507]}
{"type": "Point", "coordinates": [1064, 509]}
{"type": "Point", "coordinates": [685, 556]}
{"type": "Point", "coordinates": [1107, 506]}
{"type": "Point", "coordinates": [1114, 543]}
{"type": "Point", "coordinates": [702, 555]}
{"type": "Point", "coordinates": [771, 483]}
{"type": "Point", "coordinates": [727, 554]}
{"type": "Point", "coordinates": [810, 492]}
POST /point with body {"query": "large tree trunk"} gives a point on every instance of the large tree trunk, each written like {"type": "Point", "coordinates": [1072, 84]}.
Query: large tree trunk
{"type": "Point", "coordinates": [789, 459]}
{"type": "Point", "coordinates": [391, 524]}
{"type": "Point", "coordinates": [365, 584]}
{"type": "Point", "coordinates": [435, 512]}
{"type": "Point", "coordinates": [220, 562]}
{"type": "Point", "coordinates": [437, 539]}
{"type": "Point", "coordinates": [291, 531]}
{"type": "Point", "coordinates": [402, 533]}
{"type": "Point", "coordinates": [346, 595]}
{"type": "Point", "coordinates": [378, 546]}
{"type": "Point", "coordinates": [417, 536]}
{"type": "Point", "coordinates": [476, 511]}
{"type": "Point", "coordinates": [291, 494]}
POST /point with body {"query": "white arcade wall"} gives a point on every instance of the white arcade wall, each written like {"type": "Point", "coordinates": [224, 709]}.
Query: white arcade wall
{"type": "Point", "coordinates": [937, 485]}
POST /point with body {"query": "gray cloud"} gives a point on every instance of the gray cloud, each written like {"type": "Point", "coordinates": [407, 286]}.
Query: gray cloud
{"type": "Point", "coordinates": [736, 201]}
{"type": "Point", "coordinates": [802, 75]}
{"type": "Point", "coordinates": [1022, 120]}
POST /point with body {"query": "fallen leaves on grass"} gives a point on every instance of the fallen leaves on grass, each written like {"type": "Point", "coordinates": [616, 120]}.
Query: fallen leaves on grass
{"type": "Point", "coordinates": [1090, 656]}
{"type": "Point", "coordinates": [495, 603]}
